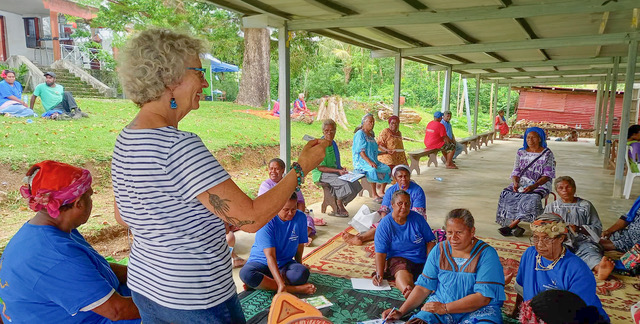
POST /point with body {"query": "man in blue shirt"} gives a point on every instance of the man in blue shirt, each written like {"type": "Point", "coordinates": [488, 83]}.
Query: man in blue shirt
{"type": "Point", "coordinates": [446, 121]}
{"type": "Point", "coordinates": [275, 262]}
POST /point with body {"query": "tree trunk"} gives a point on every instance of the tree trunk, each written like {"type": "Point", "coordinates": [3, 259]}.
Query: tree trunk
{"type": "Point", "coordinates": [254, 82]}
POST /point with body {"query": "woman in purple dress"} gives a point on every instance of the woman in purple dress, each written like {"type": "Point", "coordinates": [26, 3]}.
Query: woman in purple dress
{"type": "Point", "coordinates": [533, 171]}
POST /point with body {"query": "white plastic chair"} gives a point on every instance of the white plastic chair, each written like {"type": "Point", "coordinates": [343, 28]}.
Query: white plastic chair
{"type": "Point", "coordinates": [628, 180]}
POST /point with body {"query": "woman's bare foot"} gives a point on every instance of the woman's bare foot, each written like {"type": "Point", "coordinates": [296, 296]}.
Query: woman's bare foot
{"type": "Point", "coordinates": [352, 239]}
{"type": "Point", "coordinates": [604, 268]}
{"type": "Point", "coordinates": [407, 291]}
{"type": "Point", "coordinates": [452, 166]}
{"type": "Point", "coordinates": [309, 242]}
{"type": "Point", "coordinates": [307, 289]}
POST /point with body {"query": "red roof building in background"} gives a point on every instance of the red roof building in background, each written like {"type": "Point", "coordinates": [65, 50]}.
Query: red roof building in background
{"type": "Point", "coordinates": [572, 107]}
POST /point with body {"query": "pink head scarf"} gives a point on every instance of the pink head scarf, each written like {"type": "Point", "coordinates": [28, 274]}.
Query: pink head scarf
{"type": "Point", "coordinates": [51, 184]}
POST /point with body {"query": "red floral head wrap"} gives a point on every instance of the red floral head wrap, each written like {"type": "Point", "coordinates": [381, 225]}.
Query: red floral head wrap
{"type": "Point", "coordinates": [50, 184]}
{"type": "Point", "coordinates": [392, 118]}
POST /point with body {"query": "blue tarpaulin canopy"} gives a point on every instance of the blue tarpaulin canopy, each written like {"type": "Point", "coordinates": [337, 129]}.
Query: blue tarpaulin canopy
{"type": "Point", "coordinates": [216, 67]}
{"type": "Point", "coordinates": [219, 66]}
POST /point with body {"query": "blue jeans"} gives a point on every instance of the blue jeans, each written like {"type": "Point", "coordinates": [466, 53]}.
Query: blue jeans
{"type": "Point", "coordinates": [229, 311]}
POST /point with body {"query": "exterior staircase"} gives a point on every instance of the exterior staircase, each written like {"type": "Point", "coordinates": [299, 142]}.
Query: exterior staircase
{"type": "Point", "coordinates": [70, 82]}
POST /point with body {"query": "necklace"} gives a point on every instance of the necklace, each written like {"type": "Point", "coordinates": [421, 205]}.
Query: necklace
{"type": "Point", "coordinates": [540, 267]}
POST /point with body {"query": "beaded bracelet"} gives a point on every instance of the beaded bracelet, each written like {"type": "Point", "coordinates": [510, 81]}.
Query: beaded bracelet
{"type": "Point", "coordinates": [445, 309]}
{"type": "Point", "coordinates": [295, 166]}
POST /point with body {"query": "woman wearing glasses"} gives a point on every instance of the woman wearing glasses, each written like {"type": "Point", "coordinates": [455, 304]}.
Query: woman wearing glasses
{"type": "Point", "coordinates": [549, 265]}
{"type": "Point", "coordinates": [175, 196]}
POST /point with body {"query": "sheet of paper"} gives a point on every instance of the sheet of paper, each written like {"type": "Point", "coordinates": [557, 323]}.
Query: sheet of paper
{"type": "Point", "coordinates": [318, 302]}
{"type": "Point", "coordinates": [379, 321]}
{"type": "Point", "coordinates": [351, 177]}
{"type": "Point", "coordinates": [399, 150]}
{"type": "Point", "coordinates": [367, 284]}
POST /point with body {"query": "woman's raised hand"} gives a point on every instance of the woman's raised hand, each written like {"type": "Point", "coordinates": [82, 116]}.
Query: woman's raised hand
{"type": "Point", "coordinates": [312, 154]}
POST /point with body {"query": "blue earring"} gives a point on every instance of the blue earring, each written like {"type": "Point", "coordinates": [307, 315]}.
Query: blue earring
{"type": "Point", "coordinates": [174, 105]}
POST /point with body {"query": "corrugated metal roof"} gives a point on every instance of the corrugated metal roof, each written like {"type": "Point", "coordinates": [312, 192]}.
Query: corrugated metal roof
{"type": "Point", "coordinates": [396, 26]}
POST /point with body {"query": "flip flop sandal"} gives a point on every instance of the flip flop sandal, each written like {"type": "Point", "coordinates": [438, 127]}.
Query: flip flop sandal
{"type": "Point", "coordinates": [518, 231]}
{"type": "Point", "coordinates": [505, 231]}
{"type": "Point", "coordinates": [319, 222]}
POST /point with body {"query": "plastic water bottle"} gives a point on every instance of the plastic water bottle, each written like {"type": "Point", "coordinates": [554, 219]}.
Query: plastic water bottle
{"type": "Point", "coordinates": [29, 121]}
{"type": "Point", "coordinates": [438, 179]}
{"type": "Point", "coordinates": [25, 98]}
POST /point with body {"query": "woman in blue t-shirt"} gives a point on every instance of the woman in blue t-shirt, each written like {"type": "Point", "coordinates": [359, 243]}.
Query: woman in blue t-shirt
{"type": "Point", "coordinates": [275, 262]}
{"type": "Point", "coordinates": [402, 243]}
{"type": "Point", "coordinates": [11, 97]}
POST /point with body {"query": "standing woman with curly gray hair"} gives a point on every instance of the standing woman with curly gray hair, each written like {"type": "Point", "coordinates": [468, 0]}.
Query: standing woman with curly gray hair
{"type": "Point", "coordinates": [175, 196]}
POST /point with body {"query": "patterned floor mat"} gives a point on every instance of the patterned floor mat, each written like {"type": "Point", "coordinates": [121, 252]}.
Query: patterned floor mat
{"type": "Point", "coordinates": [339, 259]}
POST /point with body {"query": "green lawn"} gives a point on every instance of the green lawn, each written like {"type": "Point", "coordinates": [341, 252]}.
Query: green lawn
{"type": "Point", "coordinates": [91, 140]}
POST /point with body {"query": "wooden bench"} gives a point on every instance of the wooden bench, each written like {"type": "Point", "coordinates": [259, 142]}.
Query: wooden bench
{"type": "Point", "coordinates": [366, 186]}
{"type": "Point", "coordinates": [485, 137]}
{"type": "Point", "coordinates": [329, 198]}
{"type": "Point", "coordinates": [415, 157]}
{"type": "Point", "coordinates": [469, 143]}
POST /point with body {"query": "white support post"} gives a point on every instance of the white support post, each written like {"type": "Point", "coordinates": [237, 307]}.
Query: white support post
{"type": "Point", "coordinates": [495, 105]}
{"type": "Point", "coordinates": [618, 182]}
{"type": "Point", "coordinates": [506, 113]}
{"type": "Point", "coordinates": [605, 105]}
{"type": "Point", "coordinates": [446, 93]}
{"type": "Point", "coordinates": [397, 81]}
{"type": "Point", "coordinates": [596, 117]}
{"type": "Point", "coordinates": [284, 94]}
{"type": "Point", "coordinates": [465, 95]}
{"type": "Point", "coordinates": [612, 106]}
{"type": "Point", "coordinates": [477, 104]}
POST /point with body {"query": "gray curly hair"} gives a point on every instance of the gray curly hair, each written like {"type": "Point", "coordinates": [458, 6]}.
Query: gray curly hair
{"type": "Point", "coordinates": [153, 60]}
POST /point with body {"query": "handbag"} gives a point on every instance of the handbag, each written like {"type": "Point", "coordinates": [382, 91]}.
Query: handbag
{"type": "Point", "coordinates": [631, 259]}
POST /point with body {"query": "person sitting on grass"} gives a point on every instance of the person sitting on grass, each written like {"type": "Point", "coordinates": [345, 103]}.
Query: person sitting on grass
{"type": "Point", "coordinates": [402, 175]}
{"type": "Point", "coordinates": [276, 174]}
{"type": "Point", "coordinates": [49, 272]}
{"type": "Point", "coordinates": [436, 137]}
{"type": "Point", "coordinates": [402, 244]}
{"type": "Point", "coordinates": [58, 104]}
{"type": "Point", "coordinates": [275, 262]}
{"type": "Point", "coordinates": [583, 219]}
{"type": "Point", "coordinates": [11, 103]}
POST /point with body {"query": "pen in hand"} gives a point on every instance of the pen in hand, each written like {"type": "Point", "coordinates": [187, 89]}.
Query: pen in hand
{"type": "Point", "coordinates": [391, 312]}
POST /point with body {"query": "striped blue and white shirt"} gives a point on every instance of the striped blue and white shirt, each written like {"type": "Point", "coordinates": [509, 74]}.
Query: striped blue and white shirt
{"type": "Point", "coordinates": [179, 256]}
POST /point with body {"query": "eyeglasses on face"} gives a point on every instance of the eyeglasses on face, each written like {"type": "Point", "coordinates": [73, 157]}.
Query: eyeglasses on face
{"type": "Point", "coordinates": [545, 240]}
{"type": "Point", "coordinates": [201, 70]}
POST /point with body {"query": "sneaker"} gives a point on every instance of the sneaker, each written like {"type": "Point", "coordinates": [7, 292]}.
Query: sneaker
{"type": "Point", "coordinates": [63, 117]}
{"type": "Point", "coordinates": [82, 113]}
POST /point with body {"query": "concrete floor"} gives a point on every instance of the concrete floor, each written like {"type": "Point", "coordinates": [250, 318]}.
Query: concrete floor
{"type": "Point", "coordinates": [477, 184]}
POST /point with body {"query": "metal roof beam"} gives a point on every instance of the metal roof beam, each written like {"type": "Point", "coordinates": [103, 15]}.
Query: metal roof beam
{"type": "Point", "coordinates": [525, 64]}
{"type": "Point", "coordinates": [334, 6]}
{"type": "Point", "coordinates": [466, 14]}
{"type": "Point", "coordinates": [588, 40]}
{"type": "Point", "coordinates": [538, 73]}
{"type": "Point", "coordinates": [568, 80]}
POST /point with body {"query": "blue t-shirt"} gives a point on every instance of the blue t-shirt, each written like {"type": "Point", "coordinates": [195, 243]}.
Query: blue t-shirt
{"type": "Point", "coordinates": [46, 273]}
{"type": "Point", "coordinates": [416, 194]}
{"type": "Point", "coordinates": [284, 236]}
{"type": "Point", "coordinates": [7, 90]}
{"type": "Point", "coordinates": [570, 273]}
{"type": "Point", "coordinates": [407, 241]}
{"type": "Point", "coordinates": [447, 127]}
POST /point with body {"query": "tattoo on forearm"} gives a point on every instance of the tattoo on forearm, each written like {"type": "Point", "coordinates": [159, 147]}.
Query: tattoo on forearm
{"type": "Point", "coordinates": [221, 208]}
